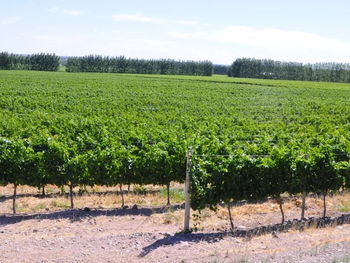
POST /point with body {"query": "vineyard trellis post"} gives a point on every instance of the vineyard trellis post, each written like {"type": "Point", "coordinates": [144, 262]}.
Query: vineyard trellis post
{"type": "Point", "coordinates": [304, 195]}
{"type": "Point", "coordinates": [187, 190]}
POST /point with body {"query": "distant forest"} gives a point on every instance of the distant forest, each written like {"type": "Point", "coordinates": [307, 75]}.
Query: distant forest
{"type": "Point", "coordinates": [240, 68]}
{"type": "Point", "coordinates": [220, 69]}
{"type": "Point", "coordinates": [121, 64]}
{"type": "Point", "coordinates": [42, 62]}
{"type": "Point", "coordinates": [270, 69]}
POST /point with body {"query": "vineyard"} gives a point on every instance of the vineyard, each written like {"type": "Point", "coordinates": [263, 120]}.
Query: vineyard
{"type": "Point", "coordinates": [250, 139]}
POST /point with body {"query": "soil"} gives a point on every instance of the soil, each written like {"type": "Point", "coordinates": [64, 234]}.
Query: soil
{"type": "Point", "coordinates": [153, 234]}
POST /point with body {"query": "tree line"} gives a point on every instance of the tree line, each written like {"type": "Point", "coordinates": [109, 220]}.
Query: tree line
{"type": "Point", "coordinates": [220, 69]}
{"type": "Point", "coordinates": [121, 64]}
{"type": "Point", "coordinates": [42, 62]}
{"type": "Point", "coordinates": [270, 69]}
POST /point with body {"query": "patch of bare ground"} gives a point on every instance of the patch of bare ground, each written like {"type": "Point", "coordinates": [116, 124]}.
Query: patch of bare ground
{"type": "Point", "coordinates": [45, 230]}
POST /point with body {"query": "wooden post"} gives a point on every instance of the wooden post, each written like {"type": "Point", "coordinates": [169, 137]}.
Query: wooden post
{"type": "Point", "coordinates": [14, 199]}
{"type": "Point", "coordinates": [187, 191]}
{"type": "Point", "coordinates": [71, 195]}
{"type": "Point", "coordinates": [303, 205]}
{"type": "Point", "coordinates": [304, 195]}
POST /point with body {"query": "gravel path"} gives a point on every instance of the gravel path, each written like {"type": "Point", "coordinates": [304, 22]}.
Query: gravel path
{"type": "Point", "coordinates": [134, 236]}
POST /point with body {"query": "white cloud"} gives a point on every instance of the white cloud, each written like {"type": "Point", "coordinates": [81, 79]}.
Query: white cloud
{"type": "Point", "coordinates": [49, 39]}
{"type": "Point", "coordinates": [164, 49]}
{"type": "Point", "coordinates": [270, 39]}
{"type": "Point", "coordinates": [277, 39]}
{"type": "Point", "coordinates": [186, 23]}
{"type": "Point", "coordinates": [196, 35]}
{"type": "Point", "coordinates": [141, 47]}
{"type": "Point", "coordinates": [149, 19]}
{"type": "Point", "coordinates": [59, 44]}
{"type": "Point", "coordinates": [58, 10]}
{"type": "Point", "coordinates": [137, 18]}
{"type": "Point", "coordinates": [9, 20]}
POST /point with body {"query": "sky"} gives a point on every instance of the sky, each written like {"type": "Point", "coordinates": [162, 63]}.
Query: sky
{"type": "Point", "coordinates": [221, 31]}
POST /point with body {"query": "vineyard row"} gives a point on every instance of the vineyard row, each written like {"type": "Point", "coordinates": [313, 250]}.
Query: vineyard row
{"type": "Point", "coordinates": [220, 171]}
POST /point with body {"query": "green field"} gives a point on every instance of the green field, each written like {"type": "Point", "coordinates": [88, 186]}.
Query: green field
{"type": "Point", "coordinates": [181, 106]}
{"type": "Point", "coordinates": [94, 128]}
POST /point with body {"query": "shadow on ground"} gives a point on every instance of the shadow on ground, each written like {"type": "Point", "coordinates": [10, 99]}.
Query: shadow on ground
{"type": "Point", "coordinates": [183, 239]}
{"type": "Point", "coordinates": [80, 214]}
{"type": "Point", "coordinates": [274, 229]}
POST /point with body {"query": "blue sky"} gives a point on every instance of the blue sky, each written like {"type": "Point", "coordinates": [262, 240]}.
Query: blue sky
{"type": "Point", "coordinates": [219, 31]}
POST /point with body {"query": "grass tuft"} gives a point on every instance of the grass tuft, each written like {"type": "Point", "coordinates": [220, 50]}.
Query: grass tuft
{"type": "Point", "coordinates": [59, 204]}
{"type": "Point", "coordinates": [345, 206]}
{"type": "Point", "coordinates": [177, 195]}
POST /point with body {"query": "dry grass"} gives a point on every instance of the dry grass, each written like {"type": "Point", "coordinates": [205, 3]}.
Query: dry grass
{"type": "Point", "coordinates": [247, 215]}
{"type": "Point", "coordinates": [98, 197]}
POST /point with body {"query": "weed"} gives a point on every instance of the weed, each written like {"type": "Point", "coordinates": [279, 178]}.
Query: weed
{"type": "Point", "coordinates": [39, 206]}
{"type": "Point", "coordinates": [168, 216]}
{"type": "Point", "coordinates": [345, 206]}
{"type": "Point", "coordinates": [140, 201]}
{"type": "Point", "coordinates": [177, 195]}
{"type": "Point", "coordinates": [58, 204]}
{"type": "Point", "coordinates": [63, 190]}
{"type": "Point", "coordinates": [19, 209]}
{"type": "Point", "coordinates": [140, 189]}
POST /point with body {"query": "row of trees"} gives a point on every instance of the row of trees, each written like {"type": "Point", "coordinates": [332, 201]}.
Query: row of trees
{"type": "Point", "coordinates": [270, 69]}
{"type": "Point", "coordinates": [220, 69]}
{"type": "Point", "coordinates": [42, 62]}
{"type": "Point", "coordinates": [121, 64]}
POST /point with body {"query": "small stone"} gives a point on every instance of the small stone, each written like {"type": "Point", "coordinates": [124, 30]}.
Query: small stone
{"type": "Point", "coordinates": [86, 209]}
{"type": "Point", "coordinates": [125, 207]}
{"type": "Point", "coordinates": [134, 207]}
{"type": "Point", "coordinates": [340, 227]}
